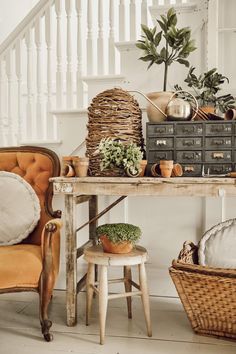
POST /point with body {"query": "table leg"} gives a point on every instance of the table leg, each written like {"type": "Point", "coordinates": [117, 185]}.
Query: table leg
{"type": "Point", "coordinates": [93, 211]}
{"type": "Point", "coordinates": [71, 260]}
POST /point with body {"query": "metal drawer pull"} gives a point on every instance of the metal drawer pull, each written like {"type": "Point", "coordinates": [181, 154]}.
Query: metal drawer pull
{"type": "Point", "coordinates": [218, 155]}
{"type": "Point", "coordinates": [188, 156]}
{"type": "Point", "coordinates": [218, 142]}
{"type": "Point", "coordinates": [161, 142]}
{"type": "Point", "coordinates": [188, 142]}
{"type": "Point", "coordinates": [188, 129]}
{"type": "Point", "coordinates": [188, 169]}
{"type": "Point", "coordinates": [160, 130]}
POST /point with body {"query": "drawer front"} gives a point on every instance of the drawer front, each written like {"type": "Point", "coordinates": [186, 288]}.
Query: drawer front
{"type": "Point", "coordinates": [189, 156]}
{"type": "Point", "coordinates": [192, 170]}
{"type": "Point", "coordinates": [218, 169]}
{"type": "Point", "coordinates": [160, 129]}
{"type": "Point", "coordinates": [218, 156]}
{"type": "Point", "coordinates": [189, 129]}
{"type": "Point", "coordinates": [161, 143]}
{"type": "Point", "coordinates": [219, 143]}
{"type": "Point", "coordinates": [219, 128]}
{"type": "Point", "coordinates": [188, 143]}
{"type": "Point", "coordinates": [156, 156]}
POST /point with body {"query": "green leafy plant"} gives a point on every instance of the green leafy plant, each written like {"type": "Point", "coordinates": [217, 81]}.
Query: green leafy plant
{"type": "Point", "coordinates": [120, 232]}
{"type": "Point", "coordinates": [178, 43]}
{"type": "Point", "coordinates": [207, 86]}
{"type": "Point", "coordinates": [115, 153]}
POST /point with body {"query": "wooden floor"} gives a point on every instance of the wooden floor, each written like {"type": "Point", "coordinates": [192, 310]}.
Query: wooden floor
{"type": "Point", "coordinates": [20, 332]}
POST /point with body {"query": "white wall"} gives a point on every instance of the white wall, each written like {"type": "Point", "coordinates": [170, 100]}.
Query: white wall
{"type": "Point", "coordinates": [11, 13]}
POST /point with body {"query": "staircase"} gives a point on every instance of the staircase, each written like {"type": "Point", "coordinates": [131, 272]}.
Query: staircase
{"type": "Point", "coordinates": [66, 51]}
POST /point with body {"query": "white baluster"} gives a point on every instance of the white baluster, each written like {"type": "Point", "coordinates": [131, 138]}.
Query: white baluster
{"type": "Point", "coordinates": [48, 36]}
{"type": "Point", "coordinates": [122, 21]}
{"type": "Point", "coordinates": [112, 49]}
{"type": "Point", "coordinates": [3, 140]}
{"type": "Point", "coordinates": [29, 106]}
{"type": "Point", "coordinates": [144, 12]}
{"type": "Point", "coordinates": [10, 98]}
{"type": "Point", "coordinates": [80, 86]}
{"type": "Point", "coordinates": [133, 20]}
{"type": "Point", "coordinates": [39, 101]}
{"type": "Point", "coordinates": [69, 77]}
{"type": "Point", "coordinates": [101, 40]}
{"type": "Point", "coordinates": [18, 54]}
{"type": "Point", "coordinates": [90, 39]}
{"type": "Point", "coordinates": [59, 74]}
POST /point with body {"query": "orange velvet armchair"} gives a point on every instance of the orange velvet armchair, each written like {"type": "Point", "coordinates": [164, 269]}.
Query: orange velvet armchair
{"type": "Point", "coordinates": [33, 264]}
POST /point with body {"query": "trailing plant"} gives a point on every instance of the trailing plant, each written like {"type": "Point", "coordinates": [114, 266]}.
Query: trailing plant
{"type": "Point", "coordinates": [207, 86]}
{"type": "Point", "coordinates": [115, 153]}
{"type": "Point", "coordinates": [178, 43]}
{"type": "Point", "coordinates": [120, 232]}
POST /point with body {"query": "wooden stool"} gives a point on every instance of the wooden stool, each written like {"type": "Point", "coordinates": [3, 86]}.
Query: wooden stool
{"type": "Point", "coordinates": [95, 256]}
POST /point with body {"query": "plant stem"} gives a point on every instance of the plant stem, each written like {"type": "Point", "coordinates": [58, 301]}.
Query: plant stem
{"type": "Point", "coordinates": [166, 68]}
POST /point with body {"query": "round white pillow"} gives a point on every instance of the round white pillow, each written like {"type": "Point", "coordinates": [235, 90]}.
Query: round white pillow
{"type": "Point", "coordinates": [19, 208]}
{"type": "Point", "coordinates": [217, 247]}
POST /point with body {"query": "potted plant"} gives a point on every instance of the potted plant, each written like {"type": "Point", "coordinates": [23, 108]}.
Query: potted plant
{"type": "Point", "coordinates": [206, 88]}
{"type": "Point", "coordinates": [118, 238]}
{"type": "Point", "coordinates": [116, 154]}
{"type": "Point", "coordinates": [177, 47]}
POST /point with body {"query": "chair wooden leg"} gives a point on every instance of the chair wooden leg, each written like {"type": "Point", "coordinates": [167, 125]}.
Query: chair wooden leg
{"type": "Point", "coordinates": [128, 288]}
{"type": "Point", "coordinates": [45, 299]}
{"type": "Point", "coordinates": [103, 299]}
{"type": "Point", "coordinates": [145, 297]}
{"type": "Point", "coordinates": [89, 290]}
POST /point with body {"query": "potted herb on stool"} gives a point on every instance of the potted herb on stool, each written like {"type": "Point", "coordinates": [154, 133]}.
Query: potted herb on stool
{"type": "Point", "coordinates": [118, 238]}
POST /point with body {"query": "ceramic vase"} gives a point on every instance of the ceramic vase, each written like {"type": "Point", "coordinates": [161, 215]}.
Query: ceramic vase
{"type": "Point", "coordinates": [161, 100]}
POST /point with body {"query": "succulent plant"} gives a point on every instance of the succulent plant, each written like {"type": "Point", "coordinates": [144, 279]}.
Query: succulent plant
{"type": "Point", "coordinates": [120, 232]}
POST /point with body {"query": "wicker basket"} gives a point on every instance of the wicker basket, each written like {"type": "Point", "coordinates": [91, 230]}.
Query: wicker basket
{"type": "Point", "coordinates": [207, 294]}
{"type": "Point", "coordinates": [116, 114]}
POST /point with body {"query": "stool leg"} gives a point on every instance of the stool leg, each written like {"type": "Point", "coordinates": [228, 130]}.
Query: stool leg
{"type": "Point", "coordinates": [89, 293]}
{"type": "Point", "coordinates": [145, 297]}
{"type": "Point", "coordinates": [128, 288]}
{"type": "Point", "coordinates": [103, 299]}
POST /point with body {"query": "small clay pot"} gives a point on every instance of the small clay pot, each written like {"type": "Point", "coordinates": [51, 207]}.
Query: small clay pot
{"type": "Point", "coordinates": [143, 165]}
{"type": "Point", "coordinates": [65, 163]}
{"type": "Point", "coordinates": [166, 167]}
{"type": "Point", "coordinates": [177, 170]}
{"type": "Point", "coordinates": [230, 114]}
{"type": "Point", "coordinates": [155, 170]}
{"type": "Point", "coordinates": [111, 247]}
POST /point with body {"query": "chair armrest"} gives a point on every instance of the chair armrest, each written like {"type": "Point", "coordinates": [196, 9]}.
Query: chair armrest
{"type": "Point", "coordinates": [50, 247]}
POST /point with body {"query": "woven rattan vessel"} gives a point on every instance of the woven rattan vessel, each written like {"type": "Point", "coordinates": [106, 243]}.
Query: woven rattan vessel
{"type": "Point", "coordinates": [113, 113]}
{"type": "Point", "coordinates": [207, 294]}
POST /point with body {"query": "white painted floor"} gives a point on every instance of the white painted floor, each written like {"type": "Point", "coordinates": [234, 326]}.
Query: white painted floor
{"type": "Point", "coordinates": [172, 334]}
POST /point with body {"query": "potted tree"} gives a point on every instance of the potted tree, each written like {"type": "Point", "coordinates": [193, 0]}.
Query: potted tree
{"type": "Point", "coordinates": [177, 47]}
{"type": "Point", "coordinates": [206, 88]}
{"type": "Point", "coordinates": [118, 238]}
{"type": "Point", "coordinates": [120, 157]}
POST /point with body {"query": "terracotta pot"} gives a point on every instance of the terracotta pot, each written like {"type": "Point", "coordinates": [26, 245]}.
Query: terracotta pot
{"type": "Point", "coordinates": [110, 247]}
{"type": "Point", "coordinates": [177, 170]}
{"type": "Point", "coordinates": [81, 165]}
{"type": "Point", "coordinates": [161, 100]}
{"type": "Point", "coordinates": [230, 114]}
{"type": "Point", "coordinates": [155, 170]}
{"type": "Point", "coordinates": [166, 167]}
{"type": "Point", "coordinates": [143, 165]}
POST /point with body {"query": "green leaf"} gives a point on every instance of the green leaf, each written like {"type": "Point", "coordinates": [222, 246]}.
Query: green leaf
{"type": "Point", "coordinates": [147, 57]}
{"type": "Point", "coordinates": [157, 38]}
{"type": "Point", "coordinates": [147, 32]}
{"type": "Point", "coordinates": [141, 45]}
{"type": "Point", "coordinates": [164, 53]}
{"type": "Point", "coordinates": [162, 25]}
{"type": "Point", "coordinates": [171, 12]}
{"type": "Point", "coordinates": [182, 61]}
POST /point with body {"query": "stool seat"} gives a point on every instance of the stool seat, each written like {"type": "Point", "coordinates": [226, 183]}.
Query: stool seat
{"type": "Point", "coordinates": [96, 255]}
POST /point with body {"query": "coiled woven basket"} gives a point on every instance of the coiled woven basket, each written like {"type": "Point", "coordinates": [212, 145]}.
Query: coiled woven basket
{"type": "Point", "coordinates": [116, 114]}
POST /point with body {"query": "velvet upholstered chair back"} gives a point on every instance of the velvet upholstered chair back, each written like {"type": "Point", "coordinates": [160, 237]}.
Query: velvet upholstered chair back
{"type": "Point", "coordinates": [36, 165]}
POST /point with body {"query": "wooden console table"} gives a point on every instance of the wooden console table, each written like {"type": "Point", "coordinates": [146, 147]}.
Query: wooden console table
{"type": "Point", "coordinates": [87, 189]}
